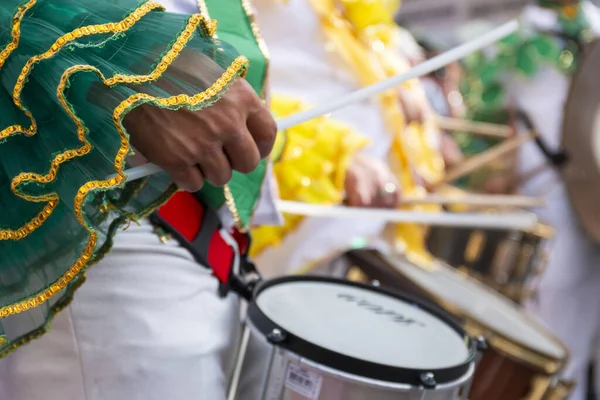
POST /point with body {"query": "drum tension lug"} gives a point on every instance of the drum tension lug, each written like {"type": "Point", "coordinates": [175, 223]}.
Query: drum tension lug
{"type": "Point", "coordinates": [428, 380]}
{"type": "Point", "coordinates": [481, 344]}
{"type": "Point", "coordinates": [276, 336]}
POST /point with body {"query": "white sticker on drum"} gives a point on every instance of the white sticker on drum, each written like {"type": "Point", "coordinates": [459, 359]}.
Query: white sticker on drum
{"type": "Point", "coordinates": [305, 383]}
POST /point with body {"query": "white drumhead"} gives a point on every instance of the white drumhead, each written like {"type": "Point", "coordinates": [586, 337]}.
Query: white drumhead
{"type": "Point", "coordinates": [481, 304]}
{"type": "Point", "coordinates": [363, 324]}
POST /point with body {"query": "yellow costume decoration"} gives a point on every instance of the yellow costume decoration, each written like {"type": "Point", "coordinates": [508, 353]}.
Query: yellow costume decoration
{"type": "Point", "coordinates": [365, 35]}
{"type": "Point", "coordinates": [310, 164]}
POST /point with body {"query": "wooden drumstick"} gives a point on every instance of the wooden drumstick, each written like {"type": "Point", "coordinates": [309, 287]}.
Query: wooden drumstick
{"type": "Point", "coordinates": [480, 160]}
{"type": "Point", "coordinates": [479, 128]}
{"type": "Point", "coordinates": [367, 92]}
{"type": "Point", "coordinates": [504, 220]}
{"type": "Point", "coordinates": [483, 200]}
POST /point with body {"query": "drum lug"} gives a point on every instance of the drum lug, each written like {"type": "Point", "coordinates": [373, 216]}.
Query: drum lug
{"type": "Point", "coordinates": [277, 336]}
{"type": "Point", "coordinates": [428, 380]}
{"type": "Point", "coordinates": [481, 344]}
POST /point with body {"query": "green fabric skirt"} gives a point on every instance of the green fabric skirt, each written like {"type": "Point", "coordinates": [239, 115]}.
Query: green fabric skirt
{"type": "Point", "coordinates": [70, 71]}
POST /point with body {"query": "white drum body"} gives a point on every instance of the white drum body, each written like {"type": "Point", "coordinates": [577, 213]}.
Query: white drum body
{"type": "Point", "coordinates": [314, 338]}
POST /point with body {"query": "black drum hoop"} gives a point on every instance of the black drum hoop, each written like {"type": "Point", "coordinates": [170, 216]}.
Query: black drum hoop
{"type": "Point", "coordinates": [428, 378]}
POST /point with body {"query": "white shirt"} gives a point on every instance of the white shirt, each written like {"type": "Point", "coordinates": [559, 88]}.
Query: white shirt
{"type": "Point", "coordinates": [266, 211]}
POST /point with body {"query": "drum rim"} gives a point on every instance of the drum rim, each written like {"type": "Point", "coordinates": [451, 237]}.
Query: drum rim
{"type": "Point", "coordinates": [352, 365]}
{"type": "Point", "coordinates": [499, 341]}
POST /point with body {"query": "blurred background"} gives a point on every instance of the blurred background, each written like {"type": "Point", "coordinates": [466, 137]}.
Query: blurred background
{"type": "Point", "coordinates": [441, 24]}
{"type": "Point", "coordinates": [456, 20]}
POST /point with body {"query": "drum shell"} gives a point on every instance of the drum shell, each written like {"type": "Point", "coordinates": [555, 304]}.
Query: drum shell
{"type": "Point", "coordinates": [499, 376]}
{"type": "Point", "coordinates": [264, 370]}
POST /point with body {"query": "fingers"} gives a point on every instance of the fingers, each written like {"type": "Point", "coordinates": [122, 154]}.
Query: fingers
{"type": "Point", "coordinates": [215, 166]}
{"type": "Point", "coordinates": [242, 152]}
{"type": "Point", "coordinates": [361, 196]}
{"type": "Point", "coordinates": [358, 192]}
{"type": "Point", "coordinates": [188, 178]}
{"type": "Point", "coordinates": [388, 194]}
{"type": "Point", "coordinates": [256, 116]}
{"type": "Point", "coordinates": [412, 106]}
{"type": "Point", "coordinates": [370, 183]}
{"type": "Point", "coordinates": [263, 129]}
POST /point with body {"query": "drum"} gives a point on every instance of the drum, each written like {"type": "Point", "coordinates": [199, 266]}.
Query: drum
{"type": "Point", "coordinates": [319, 338]}
{"type": "Point", "coordinates": [505, 260]}
{"type": "Point", "coordinates": [581, 141]}
{"type": "Point", "coordinates": [523, 358]}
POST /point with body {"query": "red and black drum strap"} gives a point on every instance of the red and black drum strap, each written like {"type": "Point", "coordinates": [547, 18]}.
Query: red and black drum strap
{"type": "Point", "coordinates": [197, 228]}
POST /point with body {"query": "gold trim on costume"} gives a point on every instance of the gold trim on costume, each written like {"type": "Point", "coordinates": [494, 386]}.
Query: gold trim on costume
{"type": "Point", "coordinates": [162, 66]}
{"type": "Point", "coordinates": [43, 329]}
{"type": "Point", "coordinates": [33, 224]}
{"type": "Point", "coordinates": [203, 8]}
{"type": "Point", "coordinates": [52, 198]}
{"type": "Point", "coordinates": [262, 46]}
{"type": "Point", "coordinates": [230, 203]}
{"type": "Point", "coordinates": [113, 27]}
{"type": "Point", "coordinates": [238, 66]}
{"type": "Point", "coordinates": [16, 31]}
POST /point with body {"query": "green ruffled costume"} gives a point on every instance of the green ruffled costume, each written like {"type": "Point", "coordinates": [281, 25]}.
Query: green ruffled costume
{"type": "Point", "coordinates": [70, 70]}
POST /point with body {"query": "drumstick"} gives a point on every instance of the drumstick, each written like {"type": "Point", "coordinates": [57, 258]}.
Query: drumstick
{"type": "Point", "coordinates": [506, 220]}
{"type": "Point", "coordinates": [479, 128]}
{"type": "Point", "coordinates": [424, 68]}
{"type": "Point", "coordinates": [476, 200]}
{"type": "Point", "coordinates": [480, 160]}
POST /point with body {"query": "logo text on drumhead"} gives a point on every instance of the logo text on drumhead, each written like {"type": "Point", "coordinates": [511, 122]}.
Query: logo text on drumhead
{"type": "Point", "coordinates": [380, 310]}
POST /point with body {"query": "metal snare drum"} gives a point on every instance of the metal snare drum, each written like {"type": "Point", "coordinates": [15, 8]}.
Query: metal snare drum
{"type": "Point", "coordinates": [318, 338]}
{"type": "Point", "coordinates": [505, 260]}
{"type": "Point", "coordinates": [523, 358]}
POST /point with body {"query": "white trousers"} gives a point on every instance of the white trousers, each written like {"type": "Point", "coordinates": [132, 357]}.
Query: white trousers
{"type": "Point", "coordinates": [147, 325]}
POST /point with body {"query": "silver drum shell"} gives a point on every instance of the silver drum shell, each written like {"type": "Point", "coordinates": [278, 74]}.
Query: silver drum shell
{"type": "Point", "coordinates": [262, 369]}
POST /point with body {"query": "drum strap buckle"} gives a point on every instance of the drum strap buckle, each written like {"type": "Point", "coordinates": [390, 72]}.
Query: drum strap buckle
{"type": "Point", "coordinates": [198, 228]}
